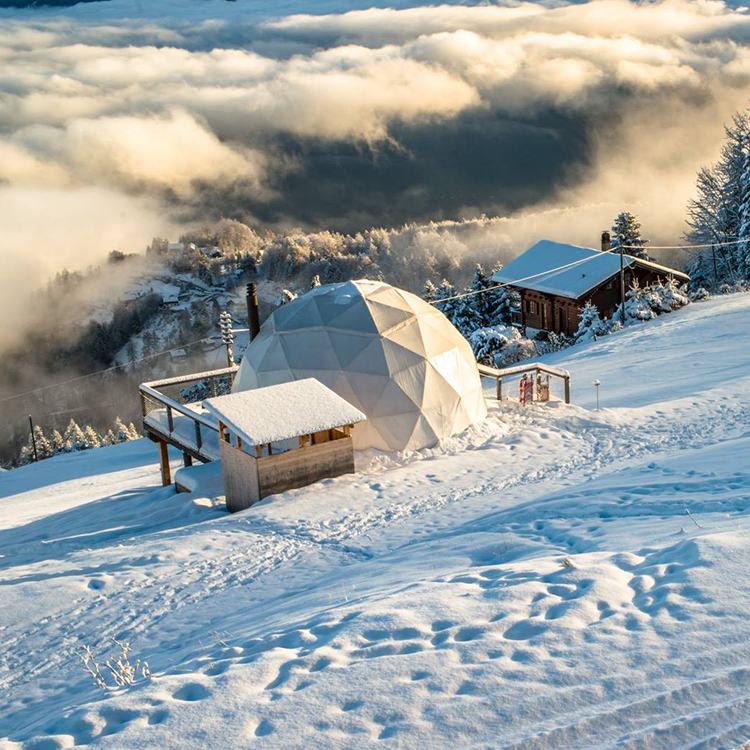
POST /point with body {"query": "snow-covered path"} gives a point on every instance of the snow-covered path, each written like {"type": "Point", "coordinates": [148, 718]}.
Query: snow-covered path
{"type": "Point", "coordinates": [535, 582]}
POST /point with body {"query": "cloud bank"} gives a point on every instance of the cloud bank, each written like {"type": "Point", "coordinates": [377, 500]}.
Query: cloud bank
{"type": "Point", "coordinates": [368, 117]}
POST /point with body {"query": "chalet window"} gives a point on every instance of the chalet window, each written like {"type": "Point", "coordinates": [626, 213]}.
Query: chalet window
{"type": "Point", "coordinates": [532, 307]}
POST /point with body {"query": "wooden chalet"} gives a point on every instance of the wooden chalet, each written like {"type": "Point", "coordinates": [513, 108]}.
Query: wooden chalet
{"type": "Point", "coordinates": [281, 437]}
{"type": "Point", "coordinates": [552, 300]}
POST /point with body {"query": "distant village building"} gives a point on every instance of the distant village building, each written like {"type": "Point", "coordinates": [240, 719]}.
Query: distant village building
{"type": "Point", "coordinates": [176, 247]}
{"type": "Point", "coordinates": [552, 300]}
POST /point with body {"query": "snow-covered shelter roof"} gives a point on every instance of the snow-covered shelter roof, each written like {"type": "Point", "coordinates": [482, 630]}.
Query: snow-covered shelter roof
{"type": "Point", "coordinates": [280, 412]}
{"type": "Point", "coordinates": [583, 269]}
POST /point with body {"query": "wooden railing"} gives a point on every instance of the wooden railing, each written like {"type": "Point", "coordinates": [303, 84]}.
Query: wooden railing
{"type": "Point", "coordinates": [152, 399]}
{"type": "Point", "coordinates": [535, 367]}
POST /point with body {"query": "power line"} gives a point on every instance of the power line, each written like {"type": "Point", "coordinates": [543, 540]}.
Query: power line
{"type": "Point", "coordinates": [102, 372]}
{"type": "Point", "coordinates": [515, 281]}
{"type": "Point", "coordinates": [682, 247]}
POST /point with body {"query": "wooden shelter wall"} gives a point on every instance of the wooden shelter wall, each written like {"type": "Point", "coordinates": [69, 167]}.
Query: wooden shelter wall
{"type": "Point", "coordinates": [298, 468]}
{"type": "Point", "coordinates": [240, 470]}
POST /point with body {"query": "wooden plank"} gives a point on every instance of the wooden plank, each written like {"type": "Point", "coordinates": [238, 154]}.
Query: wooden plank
{"type": "Point", "coordinates": [166, 474]}
{"type": "Point", "coordinates": [304, 466]}
{"type": "Point", "coordinates": [240, 472]}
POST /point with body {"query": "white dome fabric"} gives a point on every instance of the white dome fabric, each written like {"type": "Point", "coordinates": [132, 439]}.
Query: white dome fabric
{"type": "Point", "coordinates": [384, 350]}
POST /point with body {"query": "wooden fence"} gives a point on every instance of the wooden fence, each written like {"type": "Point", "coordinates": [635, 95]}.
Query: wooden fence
{"type": "Point", "coordinates": [512, 372]}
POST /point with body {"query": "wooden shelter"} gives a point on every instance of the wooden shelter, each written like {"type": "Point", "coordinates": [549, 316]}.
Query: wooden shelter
{"type": "Point", "coordinates": [282, 437]}
{"type": "Point", "coordinates": [556, 280]}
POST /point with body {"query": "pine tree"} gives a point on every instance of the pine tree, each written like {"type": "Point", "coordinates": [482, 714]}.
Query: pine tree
{"type": "Point", "coordinates": [481, 302]}
{"type": "Point", "coordinates": [43, 446]}
{"type": "Point", "coordinates": [626, 231]}
{"type": "Point", "coordinates": [91, 438]}
{"type": "Point", "coordinates": [133, 432]}
{"type": "Point", "coordinates": [743, 250]}
{"type": "Point", "coordinates": [109, 438]}
{"type": "Point", "coordinates": [445, 291]}
{"type": "Point", "coordinates": [58, 444]}
{"type": "Point", "coordinates": [315, 283]}
{"type": "Point", "coordinates": [73, 437]}
{"type": "Point", "coordinates": [591, 326]}
{"type": "Point", "coordinates": [716, 215]}
{"type": "Point", "coordinates": [122, 433]}
{"type": "Point", "coordinates": [503, 303]}
{"type": "Point", "coordinates": [429, 293]}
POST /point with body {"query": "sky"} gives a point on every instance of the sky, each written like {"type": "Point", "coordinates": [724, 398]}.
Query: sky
{"type": "Point", "coordinates": [124, 119]}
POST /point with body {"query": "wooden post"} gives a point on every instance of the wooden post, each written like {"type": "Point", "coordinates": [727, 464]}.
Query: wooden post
{"type": "Point", "coordinates": [499, 389]}
{"type": "Point", "coordinates": [33, 438]}
{"type": "Point", "coordinates": [187, 459]}
{"type": "Point", "coordinates": [270, 452]}
{"type": "Point", "coordinates": [713, 255]}
{"type": "Point", "coordinates": [166, 474]}
{"type": "Point", "coordinates": [567, 389]}
{"type": "Point", "coordinates": [212, 386]}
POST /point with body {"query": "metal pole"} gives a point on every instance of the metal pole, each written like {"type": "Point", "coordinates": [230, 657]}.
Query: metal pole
{"type": "Point", "coordinates": [622, 282]}
{"type": "Point", "coordinates": [253, 318]}
{"type": "Point", "coordinates": [33, 439]}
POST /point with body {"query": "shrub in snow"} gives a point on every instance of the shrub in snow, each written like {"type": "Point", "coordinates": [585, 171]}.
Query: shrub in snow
{"type": "Point", "coordinates": [639, 304]}
{"type": "Point", "coordinates": [518, 350]}
{"type": "Point", "coordinates": [118, 667]}
{"type": "Point", "coordinates": [672, 296]}
{"type": "Point", "coordinates": [284, 297]}
{"type": "Point", "coordinates": [699, 294]}
{"type": "Point", "coordinates": [488, 344]}
{"type": "Point", "coordinates": [554, 342]}
{"type": "Point", "coordinates": [591, 326]}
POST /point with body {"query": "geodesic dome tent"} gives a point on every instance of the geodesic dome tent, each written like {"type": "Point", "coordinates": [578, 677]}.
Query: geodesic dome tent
{"type": "Point", "coordinates": [384, 350]}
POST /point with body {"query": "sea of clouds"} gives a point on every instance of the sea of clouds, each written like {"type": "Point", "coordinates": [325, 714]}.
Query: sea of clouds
{"type": "Point", "coordinates": [121, 120]}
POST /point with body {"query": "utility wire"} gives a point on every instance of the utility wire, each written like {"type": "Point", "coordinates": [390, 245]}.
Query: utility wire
{"type": "Point", "coordinates": [680, 247]}
{"type": "Point", "coordinates": [515, 281]}
{"type": "Point", "coordinates": [108, 369]}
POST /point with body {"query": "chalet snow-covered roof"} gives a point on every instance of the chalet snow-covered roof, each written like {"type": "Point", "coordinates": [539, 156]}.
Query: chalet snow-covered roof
{"type": "Point", "coordinates": [279, 412]}
{"type": "Point", "coordinates": [585, 269]}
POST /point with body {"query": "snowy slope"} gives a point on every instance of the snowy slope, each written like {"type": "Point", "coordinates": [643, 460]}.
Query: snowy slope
{"type": "Point", "coordinates": [535, 582]}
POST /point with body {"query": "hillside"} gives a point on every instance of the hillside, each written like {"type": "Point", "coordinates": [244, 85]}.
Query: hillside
{"type": "Point", "coordinates": [555, 577]}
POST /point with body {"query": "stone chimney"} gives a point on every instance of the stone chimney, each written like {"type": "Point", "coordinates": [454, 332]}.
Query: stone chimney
{"type": "Point", "coordinates": [606, 242]}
